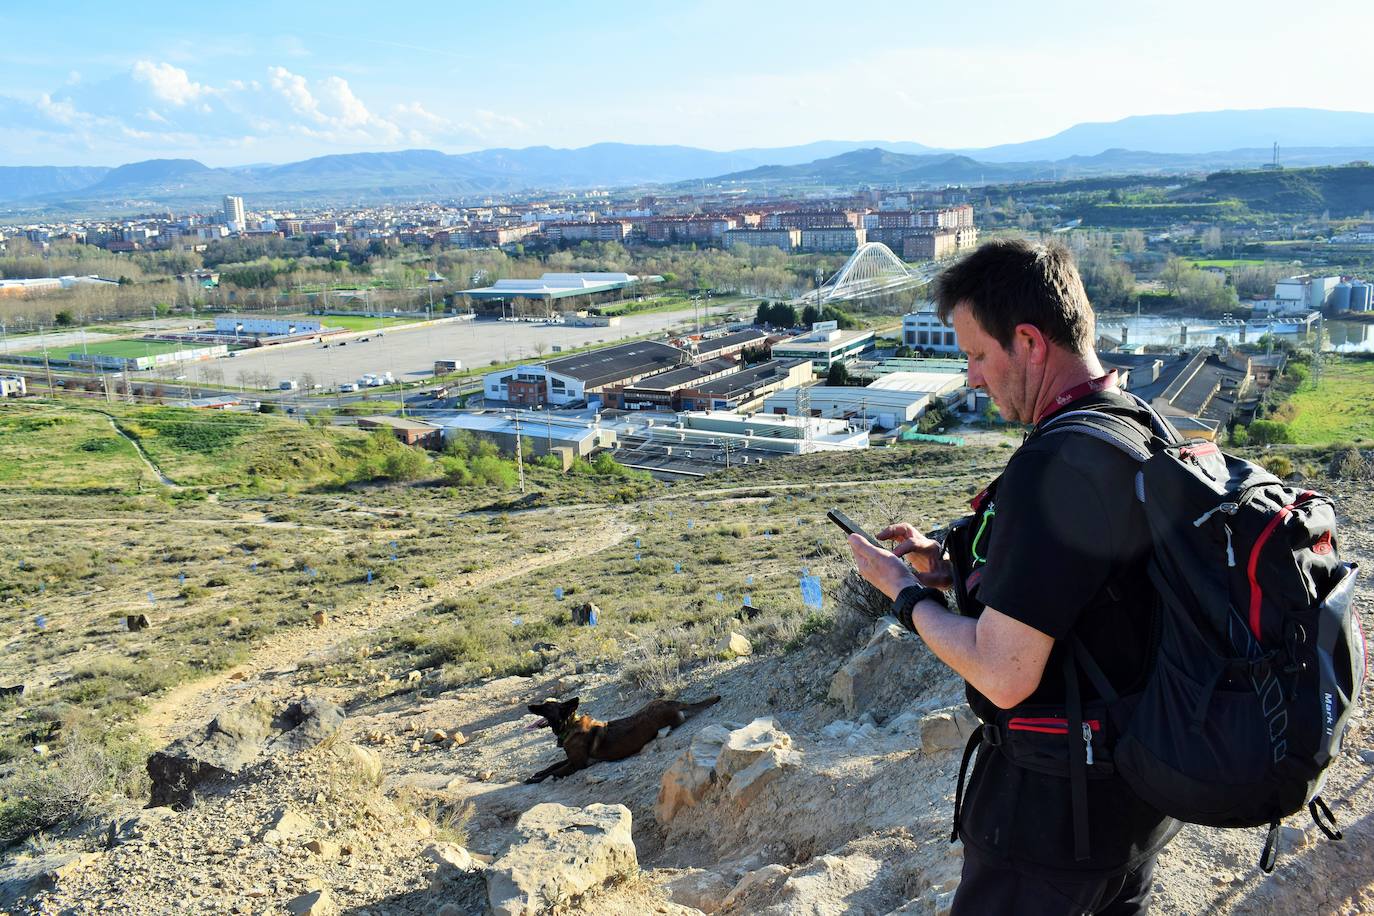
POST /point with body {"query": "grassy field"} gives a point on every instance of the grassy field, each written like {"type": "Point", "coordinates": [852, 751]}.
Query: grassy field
{"type": "Point", "coordinates": [1341, 409]}
{"type": "Point", "coordinates": [1228, 263]}
{"type": "Point", "coordinates": [275, 520]}
{"type": "Point", "coordinates": [127, 348]}
{"type": "Point", "coordinates": [363, 322]}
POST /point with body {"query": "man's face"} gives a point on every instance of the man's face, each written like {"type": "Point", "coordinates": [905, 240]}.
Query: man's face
{"type": "Point", "coordinates": [1001, 374]}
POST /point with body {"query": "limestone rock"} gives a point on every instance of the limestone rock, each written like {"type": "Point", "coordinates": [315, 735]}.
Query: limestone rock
{"type": "Point", "coordinates": [287, 825]}
{"type": "Point", "coordinates": [759, 877]}
{"type": "Point", "coordinates": [316, 903]}
{"type": "Point", "coordinates": [450, 857]}
{"type": "Point", "coordinates": [746, 784]}
{"type": "Point", "coordinates": [560, 853]}
{"type": "Point", "coordinates": [699, 889]}
{"type": "Point", "coordinates": [736, 644]}
{"type": "Point", "coordinates": [691, 774]}
{"type": "Point", "coordinates": [891, 670]}
{"type": "Point", "coordinates": [745, 745]}
{"type": "Point", "coordinates": [325, 849]}
{"type": "Point", "coordinates": [947, 729]}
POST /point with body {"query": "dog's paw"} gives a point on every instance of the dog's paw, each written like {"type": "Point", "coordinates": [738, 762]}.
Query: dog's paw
{"type": "Point", "coordinates": [534, 780]}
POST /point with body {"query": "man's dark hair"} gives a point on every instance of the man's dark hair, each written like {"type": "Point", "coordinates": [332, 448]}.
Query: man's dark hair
{"type": "Point", "coordinates": [1007, 282]}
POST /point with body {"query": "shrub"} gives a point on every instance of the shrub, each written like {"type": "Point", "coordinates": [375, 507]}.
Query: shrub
{"type": "Point", "coordinates": [1278, 465]}
{"type": "Point", "coordinates": [405, 463]}
{"type": "Point", "coordinates": [1269, 432]}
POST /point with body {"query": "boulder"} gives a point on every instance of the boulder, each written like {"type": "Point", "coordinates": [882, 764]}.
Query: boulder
{"type": "Point", "coordinates": [303, 725]}
{"type": "Point", "coordinates": [891, 670]}
{"type": "Point", "coordinates": [736, 644]}
{"type": "Point", "coordinates": [746, 784]}
{"type": "Point", "coordinates": [947, 729]}
{"type": "Point", "coordinates": [747, 744]}
{"type": "Point", "coordinates": [228, 744]}
{"type": "Point", "coordinates": [560, 853]}
{"type": "Point", "coordinates": [691, 774]}
{"type": "Point", "coordinates": [136, 622]}
{"type": "Point", "coordinates": [231, 742]}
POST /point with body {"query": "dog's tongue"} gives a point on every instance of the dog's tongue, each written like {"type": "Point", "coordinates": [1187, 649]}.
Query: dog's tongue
{"type": "Point", "coordinates": [538, 723]}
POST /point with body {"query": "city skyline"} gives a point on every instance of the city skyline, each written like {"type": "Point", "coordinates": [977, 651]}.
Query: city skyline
{"type": "Point", "coordinates": [92, 85]}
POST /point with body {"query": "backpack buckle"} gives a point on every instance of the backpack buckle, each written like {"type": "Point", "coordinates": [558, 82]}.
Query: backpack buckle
{"type": "Point", "coordinates": [992, 734]}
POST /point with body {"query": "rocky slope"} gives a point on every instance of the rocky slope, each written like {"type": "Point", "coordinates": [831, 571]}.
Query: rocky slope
{"type": "Point", "coordinates": [821, 783]}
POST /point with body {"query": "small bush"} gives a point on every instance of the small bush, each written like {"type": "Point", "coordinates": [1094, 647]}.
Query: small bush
{"type": "Point", "coordinates": [1278, 465]}
{"type": "Point", "coordinates": [660, 675]}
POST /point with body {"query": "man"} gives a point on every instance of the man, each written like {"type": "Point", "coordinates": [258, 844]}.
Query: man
{"type": "Point", "coordinates": [1056, 548]}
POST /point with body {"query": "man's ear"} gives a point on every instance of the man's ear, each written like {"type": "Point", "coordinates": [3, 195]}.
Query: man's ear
{"type": "Point", "coordinates": [1033, 342]}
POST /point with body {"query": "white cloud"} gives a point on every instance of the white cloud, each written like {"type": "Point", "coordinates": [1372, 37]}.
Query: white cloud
{"type": "Point", "coordinates": [168, 83]}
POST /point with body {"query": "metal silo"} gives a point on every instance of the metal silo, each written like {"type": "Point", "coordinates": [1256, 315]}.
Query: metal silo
{"type": "Point", "coordinates": [1361, 296]}
{"type": "Point", "coordinates": [1340, 298]}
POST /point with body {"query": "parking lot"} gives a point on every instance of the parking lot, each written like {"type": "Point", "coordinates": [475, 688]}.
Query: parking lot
{"type": "Point", "coordinates": [410, 354]}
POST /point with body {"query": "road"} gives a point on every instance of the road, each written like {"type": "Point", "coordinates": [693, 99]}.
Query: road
{"type": "Point", "coordinates": [410, 354]}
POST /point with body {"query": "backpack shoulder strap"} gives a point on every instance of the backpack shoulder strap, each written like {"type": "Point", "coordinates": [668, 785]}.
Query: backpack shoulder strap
{"type": "Point", "coordinates": [1129, 438]}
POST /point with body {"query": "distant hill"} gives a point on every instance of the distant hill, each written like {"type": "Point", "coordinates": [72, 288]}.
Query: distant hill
{"type": "Point", "coordinates": [1197, 132]}
{"type": "Point", "coordinates": [1193, 143]}
{"type": "Point", "coordinates": [1344, 191]}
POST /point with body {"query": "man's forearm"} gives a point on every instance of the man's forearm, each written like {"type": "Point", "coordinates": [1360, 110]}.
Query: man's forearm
{"type": "Point", "coordinates": [952, 638]}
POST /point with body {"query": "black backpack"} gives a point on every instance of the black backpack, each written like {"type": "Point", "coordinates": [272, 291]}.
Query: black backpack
{"type": "Point", "coordinates": [1261, 657]}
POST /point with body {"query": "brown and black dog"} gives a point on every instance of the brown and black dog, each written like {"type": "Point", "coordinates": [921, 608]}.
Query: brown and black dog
{"type": "Point", "coordinates": [586, 740]}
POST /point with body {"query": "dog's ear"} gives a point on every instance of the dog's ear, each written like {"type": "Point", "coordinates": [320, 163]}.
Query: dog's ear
{"type": "Point", "coordinates": [569, 707]}
{"type": "Point", "coordinates": [535, 707]}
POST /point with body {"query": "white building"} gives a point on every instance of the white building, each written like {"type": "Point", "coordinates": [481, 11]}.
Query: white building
{"type": "Point", "coordinates": [824, 346]}
{"type": "Point", "coordinates": [783, 434]}
{"type": "Point", "coordinates": [12, 386]}
{"type": "Point", "coordinates": [894, 399]}
{"type": "Point", "coordinates": [244, 326]}
{"type": "Point", "coordinates": [924, 330]}
{"type": "Point", "coordinates": [233, 213]}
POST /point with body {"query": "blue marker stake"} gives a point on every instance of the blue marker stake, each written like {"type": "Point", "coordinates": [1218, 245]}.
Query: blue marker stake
{"type": "Point", "coordinates": [151, 599]}
{"type": "Point", "coordinates": [691, 523]}
{"type": "Point", "coordinates": [638, 543]}
{"type": "Point", "coordinates": [748, 580]}
{"type": "Point", "coordinates": [637, 558]}
{"type": "Point", "coordinates": [42, 588]}
{"type": "Point", "coordinates": [369, 577]}
{"type": "Point", "coordinates": [393, 558]}
{"type": "Point", "coordinates": [558, 593]}
{"type": "Point", "coordinates": [811, 592]}
{"type": "Point", "coordinates": [748, 601]}
{"type": "Point", "coordinates": [677, 567]}
{"type": "Point", "coordinates": [719, 596]}
{"type": "Point", "coordinates": [181, 579]}
{"type": "Point", "coordinates": [768, 535]}
{"type": "Point", "coordinates": [41, 621]}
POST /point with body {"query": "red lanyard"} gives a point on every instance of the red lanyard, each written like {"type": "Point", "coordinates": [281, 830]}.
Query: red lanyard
{"type": "Point", "coordinates": [1064, 398]}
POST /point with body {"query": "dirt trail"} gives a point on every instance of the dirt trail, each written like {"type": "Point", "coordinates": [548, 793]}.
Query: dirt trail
{"type": "Point", "coordinates": [194, 703]}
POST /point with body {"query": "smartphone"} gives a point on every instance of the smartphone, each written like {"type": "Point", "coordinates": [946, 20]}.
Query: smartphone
{"type": "Point", "coordinates": [850, 526]}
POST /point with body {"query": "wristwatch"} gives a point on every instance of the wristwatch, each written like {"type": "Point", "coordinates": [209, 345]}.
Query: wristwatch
{"type": "Point", "coordinates": [909, 597]}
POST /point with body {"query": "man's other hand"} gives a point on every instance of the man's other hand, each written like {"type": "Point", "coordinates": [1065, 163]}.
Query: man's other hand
{"type": "Point", "coordinates": [882, 568]}
{"type": "Point", "coordinates": [925, 555]}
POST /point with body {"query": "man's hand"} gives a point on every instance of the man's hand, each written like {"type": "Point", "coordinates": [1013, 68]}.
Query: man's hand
{"type": "Point", "coordinates": [882, 568]}
{"type": "Point", "coordinates": [924, 554]}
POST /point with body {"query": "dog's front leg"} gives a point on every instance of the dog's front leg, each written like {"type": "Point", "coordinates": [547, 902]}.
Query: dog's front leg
{"type": "Point", "coordinates": [545, 773]}
{"type": "Point", "coordinates": [569, 767]}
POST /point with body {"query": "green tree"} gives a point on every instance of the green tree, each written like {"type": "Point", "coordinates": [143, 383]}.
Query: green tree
{"type": "Point", "coordinates": [838, 376]}
{"type": "Point", "coordinates": [406, 463]}
{"type": "Point", "coordinates": [64, 319]}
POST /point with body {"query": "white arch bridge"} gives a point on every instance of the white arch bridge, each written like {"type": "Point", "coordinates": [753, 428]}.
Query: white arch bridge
{"type": "Point", "coordinates": [872, 270]}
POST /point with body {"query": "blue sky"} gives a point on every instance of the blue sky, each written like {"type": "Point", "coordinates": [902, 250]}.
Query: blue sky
{"type": "Point", "coordinates": [95, 83]}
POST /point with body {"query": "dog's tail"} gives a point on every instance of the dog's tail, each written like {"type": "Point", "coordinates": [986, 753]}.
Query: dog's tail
{"type": "Point", "coordinates": [691, 709]}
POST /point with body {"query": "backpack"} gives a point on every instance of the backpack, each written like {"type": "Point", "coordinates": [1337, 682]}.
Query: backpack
{"type": "Point", "coordinates": [1260, 657]}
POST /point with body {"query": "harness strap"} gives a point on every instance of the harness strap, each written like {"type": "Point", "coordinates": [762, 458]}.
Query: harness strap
{"type": "Point", "coordinates": [974, 740]}
{"type": "Point", "coordinates": [1317, 807]}
{"type": "Point", "coordinates": [1078, 761]}
{"type": "Point", "coordinates": [1270, 854]}
{"type": "Point", "coordinates": [1095, 674]}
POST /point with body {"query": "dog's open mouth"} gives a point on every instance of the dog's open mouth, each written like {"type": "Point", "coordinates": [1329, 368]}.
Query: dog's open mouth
{"type": "Point", "coordinates": [538, 723]}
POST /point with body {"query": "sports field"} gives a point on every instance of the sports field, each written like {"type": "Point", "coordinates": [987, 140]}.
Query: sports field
{"type": "Point", "coordinates": [1340, 409]}
{"type": "Point", "coordinates": [363, 322]}
{"type": "Point", "coordinates": [127, 348]}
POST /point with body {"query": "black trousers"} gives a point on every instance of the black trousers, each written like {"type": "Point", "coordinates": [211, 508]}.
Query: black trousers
{"type": "Point", "coordinates": [987, 889]}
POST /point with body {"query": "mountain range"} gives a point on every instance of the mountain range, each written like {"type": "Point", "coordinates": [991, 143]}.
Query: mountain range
{"type": "Point", "coordinates": [1182, 143]}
